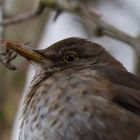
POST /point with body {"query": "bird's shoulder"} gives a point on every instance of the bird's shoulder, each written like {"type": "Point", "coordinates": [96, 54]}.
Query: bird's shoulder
{"type": "Point", "coordinates": [125, 86]}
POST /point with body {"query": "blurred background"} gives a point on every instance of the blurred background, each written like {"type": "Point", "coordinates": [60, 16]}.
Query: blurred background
{"type": "Point", "coordinates": [43, 30]}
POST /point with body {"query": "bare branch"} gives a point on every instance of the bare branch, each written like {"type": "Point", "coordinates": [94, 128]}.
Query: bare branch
{"type": "Point", "coordinates": [24, 16]}
{"type": "Point", "coordinates": [7, 56]}
{"type": "Point", "coordinates": [111, 31]}
{"type": "Point", "coordinates": [106, 29]}
{"type": "Point", "coordinates": [79, 9]}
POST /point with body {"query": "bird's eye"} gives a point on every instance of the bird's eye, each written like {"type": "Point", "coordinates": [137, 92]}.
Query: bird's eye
{"type": "Point", "coordinates": [70, 57]}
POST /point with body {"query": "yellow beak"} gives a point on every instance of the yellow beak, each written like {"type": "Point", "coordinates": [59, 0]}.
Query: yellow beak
{"type": "Point", "coordinates": [20, 48]}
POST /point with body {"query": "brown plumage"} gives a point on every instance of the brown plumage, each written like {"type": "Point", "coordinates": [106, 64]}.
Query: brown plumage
{"type": "Point", "coordinates": [80, 92]}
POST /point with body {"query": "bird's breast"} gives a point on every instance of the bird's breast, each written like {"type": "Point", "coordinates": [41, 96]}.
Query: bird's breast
{"type": "Point", "coordinates": [78, 104]}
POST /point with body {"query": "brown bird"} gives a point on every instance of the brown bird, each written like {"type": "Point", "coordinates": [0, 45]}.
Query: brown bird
{"type": "Point", "coordinates": [79, 92]}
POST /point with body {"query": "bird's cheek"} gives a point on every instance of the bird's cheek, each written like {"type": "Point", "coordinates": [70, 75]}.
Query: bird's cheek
{"type": "Point", "coordinates": [46, 65]}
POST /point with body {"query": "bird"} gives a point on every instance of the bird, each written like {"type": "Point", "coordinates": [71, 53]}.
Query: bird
{"type": "Point", "coordinates": [79, 92]}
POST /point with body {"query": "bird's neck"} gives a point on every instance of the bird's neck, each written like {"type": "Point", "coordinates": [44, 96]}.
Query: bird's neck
{"type": "Point", "coordinates": [38, 78]}
{"type": "Point", "coordinates": [108, 60]}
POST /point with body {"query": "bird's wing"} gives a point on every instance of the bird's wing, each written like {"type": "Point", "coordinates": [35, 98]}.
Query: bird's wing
{"type": "Point", "coordinates": [126, 87]}
{"type": "Point", "coordinates": [128, 98]}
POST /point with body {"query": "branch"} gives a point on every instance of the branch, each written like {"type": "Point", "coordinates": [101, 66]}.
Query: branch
{"type": "Point", "coordinates": [24, 16]}
{"type": "Point", "coordinates": [81, 11]}
{"type": "Point", "coordinates": [111, 31]}
{"type": "Point", "coordinates": [105, 29]}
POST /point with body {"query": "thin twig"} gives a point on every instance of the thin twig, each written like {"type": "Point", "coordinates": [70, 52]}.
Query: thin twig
{"type": "Point", "coordinates": [80, 10]}
{"type": "Point", "coordinates": [104, 27]}
{"type": "Point", "coordinates": [24, 16]}
{"type": "Point", "coordinates": [111, 31]}
{"type": "Point", "coordinates": [6, 57]}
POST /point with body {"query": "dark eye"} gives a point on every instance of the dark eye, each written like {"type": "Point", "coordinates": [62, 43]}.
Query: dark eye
{"type": "Point", "coordinates": [70, 57]}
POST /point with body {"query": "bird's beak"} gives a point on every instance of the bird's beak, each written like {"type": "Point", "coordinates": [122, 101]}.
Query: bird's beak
{"type": "Point", "coordinates": [20, 48]}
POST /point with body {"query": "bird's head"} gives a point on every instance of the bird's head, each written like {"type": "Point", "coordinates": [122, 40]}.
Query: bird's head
{"type": "Point", "coordinates": [68, 53]}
